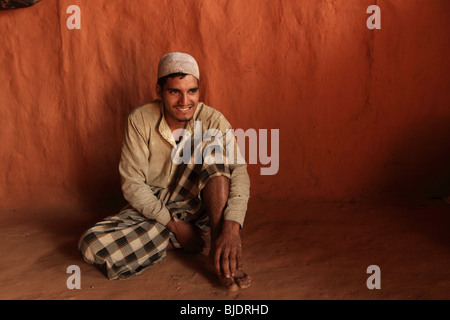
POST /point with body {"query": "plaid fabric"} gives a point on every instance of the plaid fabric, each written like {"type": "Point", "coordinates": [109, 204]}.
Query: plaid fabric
{"type": "Point", "coordinates": [185, 195]}
{"type": "Point", "coordinates": [124, 244]}
{"type": "Point", "coordinates": [127, 243]}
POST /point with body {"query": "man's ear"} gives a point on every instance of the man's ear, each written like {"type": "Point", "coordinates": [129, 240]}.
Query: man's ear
{"type": "Point", "coordinates": [158, 91]}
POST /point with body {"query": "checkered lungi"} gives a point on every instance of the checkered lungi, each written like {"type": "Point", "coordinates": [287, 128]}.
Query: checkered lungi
{"type": "Point", "coordinates": [125, 244]}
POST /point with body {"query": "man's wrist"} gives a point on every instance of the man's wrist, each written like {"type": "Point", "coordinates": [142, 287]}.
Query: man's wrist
{"type": "Point", "coordinates": [230, 226]}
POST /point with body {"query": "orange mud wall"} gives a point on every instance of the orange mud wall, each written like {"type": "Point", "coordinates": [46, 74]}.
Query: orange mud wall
{"type": "Point", "coordinates": [361, 113]}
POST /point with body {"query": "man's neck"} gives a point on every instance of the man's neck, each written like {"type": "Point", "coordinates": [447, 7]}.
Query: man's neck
{"type": "Point", "coordinates": [174, 124]}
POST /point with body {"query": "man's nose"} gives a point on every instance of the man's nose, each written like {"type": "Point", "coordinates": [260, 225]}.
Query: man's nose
{"type": "Point", "coordinates": [183, 100]}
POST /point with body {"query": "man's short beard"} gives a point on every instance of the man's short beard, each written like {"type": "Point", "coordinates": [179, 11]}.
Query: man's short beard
{"type": "Point", "coordinates": [179, 120]}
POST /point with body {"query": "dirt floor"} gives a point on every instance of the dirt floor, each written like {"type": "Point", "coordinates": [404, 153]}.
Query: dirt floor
{"type": "Point", "coordinates": [322, 251]}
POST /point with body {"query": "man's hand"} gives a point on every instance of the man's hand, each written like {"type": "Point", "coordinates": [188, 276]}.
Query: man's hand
{"type": "Point", "coordinates": [226, 251]}
{"type": "Point", "coordinates": [188, 235]}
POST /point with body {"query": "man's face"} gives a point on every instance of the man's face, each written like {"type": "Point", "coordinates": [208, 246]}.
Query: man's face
{"type": "Point", "coordinates": [180, 97]}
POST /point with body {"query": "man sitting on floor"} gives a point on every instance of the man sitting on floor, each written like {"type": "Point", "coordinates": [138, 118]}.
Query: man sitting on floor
{"type": "Point", "coordinates": [170, 202]}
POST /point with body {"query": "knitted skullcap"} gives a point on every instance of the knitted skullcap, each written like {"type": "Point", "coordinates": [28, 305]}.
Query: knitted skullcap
{"type": "Point", "coordinates": [176, 62]}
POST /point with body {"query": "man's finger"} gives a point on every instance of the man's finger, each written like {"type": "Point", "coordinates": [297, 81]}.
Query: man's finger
{"type": "Point", "coordinates": [217, 261]}
{"type": "Point", "coordinates": [226, 263]}
{"type": "Point", "coordinates": [233, 260]}
{"type": "Point", "coordinates": [239, 258]}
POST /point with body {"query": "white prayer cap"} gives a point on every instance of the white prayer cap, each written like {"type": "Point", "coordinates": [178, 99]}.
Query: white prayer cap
{"type": "Point", "coordinates": [176, 62]}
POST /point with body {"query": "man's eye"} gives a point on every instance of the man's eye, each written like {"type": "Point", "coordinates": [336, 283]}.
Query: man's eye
{"type": "Point", "coordinates": [192, 91]}
{"type": "Point", "coordinates": [173, 91]}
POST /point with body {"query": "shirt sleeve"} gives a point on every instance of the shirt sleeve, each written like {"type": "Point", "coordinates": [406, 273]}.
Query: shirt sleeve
{"type": "Point", "coordinates": [239, 193]}
{"type": "Point", "coordinates": [133, 167]}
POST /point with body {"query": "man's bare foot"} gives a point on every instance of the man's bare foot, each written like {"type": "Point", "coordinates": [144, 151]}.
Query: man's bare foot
{"type": "Point", "coordinates": [239, 280]}
{"type": "Point", "coordinates": [228, 283]}
{"type": "Point", "coordinates": [242, 279]}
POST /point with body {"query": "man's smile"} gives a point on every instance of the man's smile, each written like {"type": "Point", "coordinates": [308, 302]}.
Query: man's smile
{"type": "Point", "coordinates": [184, 109]}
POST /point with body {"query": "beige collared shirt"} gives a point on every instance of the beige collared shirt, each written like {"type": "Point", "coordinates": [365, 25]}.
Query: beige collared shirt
{"type": "Point", "coordinates": [147, 169]}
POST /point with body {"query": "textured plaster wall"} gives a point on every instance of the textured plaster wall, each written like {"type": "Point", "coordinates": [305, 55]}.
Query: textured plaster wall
{"type": "Point", "coordinates": [362, 113]}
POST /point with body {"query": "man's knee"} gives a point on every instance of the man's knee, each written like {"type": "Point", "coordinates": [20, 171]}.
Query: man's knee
{"type": "Point", "coordinates": [217, 187]}
{"type": "Point", "coordinates": [219, 180]}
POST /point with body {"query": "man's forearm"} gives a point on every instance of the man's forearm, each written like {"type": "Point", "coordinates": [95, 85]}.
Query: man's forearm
{"type": "Point", "coordinates": [141, 198]}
